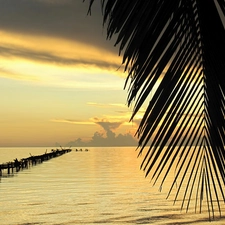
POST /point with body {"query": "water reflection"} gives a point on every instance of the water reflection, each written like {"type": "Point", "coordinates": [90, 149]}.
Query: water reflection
{"type": "Point", "coordinates": [101, 186]}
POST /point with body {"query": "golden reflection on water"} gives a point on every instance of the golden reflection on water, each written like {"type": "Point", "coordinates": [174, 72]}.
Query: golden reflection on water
{"type": "Point", "coordinates": [101, 186]}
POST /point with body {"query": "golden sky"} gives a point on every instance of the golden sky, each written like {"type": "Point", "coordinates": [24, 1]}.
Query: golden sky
{"type": "Point", "coordinates": [60, 79]}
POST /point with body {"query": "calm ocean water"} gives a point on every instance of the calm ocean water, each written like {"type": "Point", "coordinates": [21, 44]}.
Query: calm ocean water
{"type": "Point", "coordinates": [101, 186]}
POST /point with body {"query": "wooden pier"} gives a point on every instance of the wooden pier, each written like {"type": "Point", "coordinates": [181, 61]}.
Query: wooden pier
{"type": "Point", "coordinates": [25, 163]}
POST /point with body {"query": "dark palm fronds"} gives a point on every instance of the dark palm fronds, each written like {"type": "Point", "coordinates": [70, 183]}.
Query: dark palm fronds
{"type": "Point", "coordinates": [176, 51]}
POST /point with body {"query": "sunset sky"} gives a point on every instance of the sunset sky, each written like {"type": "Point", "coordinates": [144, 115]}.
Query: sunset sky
{"type": "Point", "coordinates": [60, 79]}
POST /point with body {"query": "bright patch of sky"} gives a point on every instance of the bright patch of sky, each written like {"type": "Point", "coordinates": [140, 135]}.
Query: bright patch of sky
{"type": "Point", "coordinates": [60, 80]}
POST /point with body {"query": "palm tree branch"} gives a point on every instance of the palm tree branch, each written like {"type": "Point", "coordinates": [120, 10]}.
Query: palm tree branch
{"type": "Point", "coordinates": [176, 50]}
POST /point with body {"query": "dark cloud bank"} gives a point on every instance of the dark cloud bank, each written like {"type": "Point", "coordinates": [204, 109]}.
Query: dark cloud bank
{"type": "Point", "coordinates": [111, 139]}
{"type": "Point", "coordinates": [48, 57]}
{"type": "Point", "coordinates": [66, 19]}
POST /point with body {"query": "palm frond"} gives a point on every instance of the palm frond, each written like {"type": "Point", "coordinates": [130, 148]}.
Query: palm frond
{"type": "Point", "coordinates": [178, 48]}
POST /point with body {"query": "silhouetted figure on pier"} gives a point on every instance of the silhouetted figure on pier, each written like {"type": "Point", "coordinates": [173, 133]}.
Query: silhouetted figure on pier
{"type": "Point", "coordinates": [17, 164]}
{"type": "Point", "coordinates": [24, 163]}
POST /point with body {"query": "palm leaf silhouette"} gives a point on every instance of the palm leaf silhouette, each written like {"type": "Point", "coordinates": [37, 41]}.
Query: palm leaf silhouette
{"type": "Point", "coordinates": [176, 50]}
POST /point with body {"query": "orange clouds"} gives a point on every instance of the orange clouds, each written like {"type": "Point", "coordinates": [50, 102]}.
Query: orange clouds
{"type": "Point", "coordinates": [55, 52]}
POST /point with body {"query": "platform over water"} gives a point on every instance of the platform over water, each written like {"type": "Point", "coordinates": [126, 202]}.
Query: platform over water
{"type": "Point", "coordinates": [17, 165]}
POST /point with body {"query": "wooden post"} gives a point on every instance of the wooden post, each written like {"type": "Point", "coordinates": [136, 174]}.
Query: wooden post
{"type": "Point", "coordinates": [12, 165]}
{"type": "Point", "coordinates": [8, 168]}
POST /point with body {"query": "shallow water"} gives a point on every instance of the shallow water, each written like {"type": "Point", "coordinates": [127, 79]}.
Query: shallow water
{"type": "Point", "coordinates": [101, 186]}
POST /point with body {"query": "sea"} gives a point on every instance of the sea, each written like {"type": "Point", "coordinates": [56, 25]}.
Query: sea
{"type": "Point", "coordinates": [103, 185]}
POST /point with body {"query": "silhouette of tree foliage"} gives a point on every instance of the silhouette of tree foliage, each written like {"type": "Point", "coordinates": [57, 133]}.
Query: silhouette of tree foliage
{"type": "Point", "coordinates": [174, 54]}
